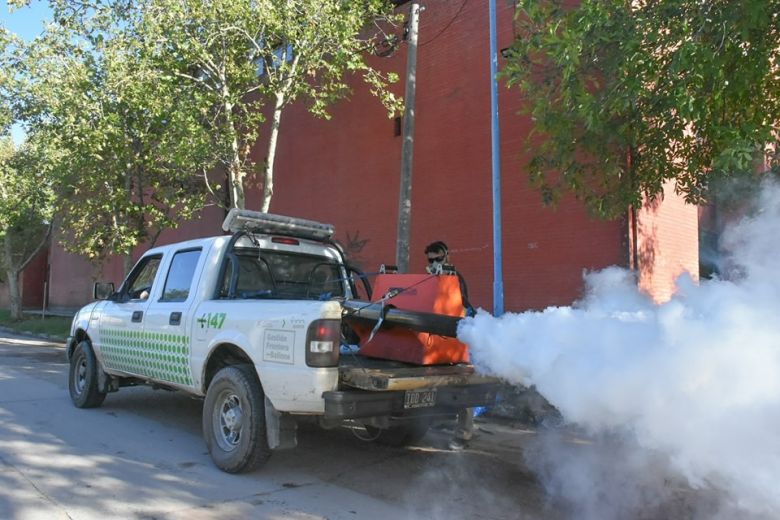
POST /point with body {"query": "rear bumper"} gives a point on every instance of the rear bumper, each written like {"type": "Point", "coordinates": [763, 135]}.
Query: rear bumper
{"type": "Point", "coordinates": [354, 404]}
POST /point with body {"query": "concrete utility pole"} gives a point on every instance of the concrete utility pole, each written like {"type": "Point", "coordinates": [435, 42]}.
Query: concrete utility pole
{"type": "Point", "coordinates": [407, 147]}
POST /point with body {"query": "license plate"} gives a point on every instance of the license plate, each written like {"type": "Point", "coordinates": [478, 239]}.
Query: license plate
{"type": "Point", "coordinates": [420, 398]}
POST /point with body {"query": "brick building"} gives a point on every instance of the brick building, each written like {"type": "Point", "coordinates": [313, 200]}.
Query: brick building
{"type": "Point", "coordinates": [346, 171]}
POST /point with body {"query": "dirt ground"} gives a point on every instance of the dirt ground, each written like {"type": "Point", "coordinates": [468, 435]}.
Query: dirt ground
{"type": "Point", "coordinates": [513, 469]}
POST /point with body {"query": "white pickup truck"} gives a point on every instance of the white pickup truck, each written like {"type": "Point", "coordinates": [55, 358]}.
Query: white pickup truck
{"type": "Point", "coordinates": [257, 322]}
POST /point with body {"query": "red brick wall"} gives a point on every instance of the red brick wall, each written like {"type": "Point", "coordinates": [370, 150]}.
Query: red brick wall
{"type": "Point", "coordinates": [31, 283]}
{"type": "Point", "coordinates": [72, 276]}
{"type": "Point", "coordinates": [668, 240]}
{"type": "Point", "coordinates": [346, 171]}
{"type": "Point", "coordinates": [33, 279]}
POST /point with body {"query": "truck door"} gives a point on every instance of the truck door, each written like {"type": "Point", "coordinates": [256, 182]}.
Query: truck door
{"type": "Point", "coordinates": [167, 320]}
{"type": "Point", "coordinates": [121, 340]}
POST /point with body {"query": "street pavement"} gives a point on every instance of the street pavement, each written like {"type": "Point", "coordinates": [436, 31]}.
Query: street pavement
{"type": "Point", "coordinates": [142, 456]}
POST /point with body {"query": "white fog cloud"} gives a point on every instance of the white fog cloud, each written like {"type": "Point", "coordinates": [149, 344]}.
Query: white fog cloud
{"type": "Point", "coordinates": [694, 382]}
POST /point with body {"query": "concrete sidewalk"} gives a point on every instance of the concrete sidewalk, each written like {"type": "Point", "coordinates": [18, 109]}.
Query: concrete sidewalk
{"type": "Point", "coordinates": [62, 312]}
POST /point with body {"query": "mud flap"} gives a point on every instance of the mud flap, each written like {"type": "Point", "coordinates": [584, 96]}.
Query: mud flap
{"type": "Point", "coordinates": [106, 383]}
{"type": "Point", "coordinates": [281, 428]}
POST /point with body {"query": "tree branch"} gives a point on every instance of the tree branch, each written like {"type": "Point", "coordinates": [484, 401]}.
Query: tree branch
{"type": "Point", "coordinates": [38, 247]}
{"type": "Point", "coordinates": [196, 80]}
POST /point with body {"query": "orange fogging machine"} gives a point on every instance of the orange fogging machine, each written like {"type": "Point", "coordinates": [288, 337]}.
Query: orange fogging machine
{"type": "Point", "coordinates": [415, 320]}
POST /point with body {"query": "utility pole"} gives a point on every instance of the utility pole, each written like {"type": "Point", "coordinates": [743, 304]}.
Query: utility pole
{"type": "Point", "coordinates": [407, 147]}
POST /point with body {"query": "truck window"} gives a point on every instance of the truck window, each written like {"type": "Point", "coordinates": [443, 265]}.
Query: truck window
{"type": "Point", "coordinates": [254, 278]}
{"type": "Point", "coordinates": [281, 275]}
{"type": "Point", "coordinates": [180, 274]}
{"type": "Point", "coordinates": [307, 277]}
{"type": "Point", "coordinates": [142, 277]}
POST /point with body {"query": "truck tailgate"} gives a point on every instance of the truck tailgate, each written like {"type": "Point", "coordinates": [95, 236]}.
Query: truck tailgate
{"type": "Point", "coordinates": [382, 375]}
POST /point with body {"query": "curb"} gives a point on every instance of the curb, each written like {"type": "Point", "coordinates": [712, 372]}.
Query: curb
{"type": "Point", "coordinates": [28, 334]}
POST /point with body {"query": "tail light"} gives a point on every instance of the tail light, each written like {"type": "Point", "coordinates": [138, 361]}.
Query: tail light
{"type": "Point", "coordinates": [323, 341]}
{"type": "Point", "coordinates": [286, 240]}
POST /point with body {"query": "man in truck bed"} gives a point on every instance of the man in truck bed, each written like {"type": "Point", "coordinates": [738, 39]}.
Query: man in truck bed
{"type": "Point", "coordinates": [438, 256]}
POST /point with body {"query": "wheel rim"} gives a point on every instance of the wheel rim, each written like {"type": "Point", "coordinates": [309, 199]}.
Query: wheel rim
{"type": "Point", "coordinates": [80, 379]}
{"type": "Point", "coordinates": [228, 420]}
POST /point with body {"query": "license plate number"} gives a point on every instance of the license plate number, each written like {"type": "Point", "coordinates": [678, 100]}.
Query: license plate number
{"type": "Point", "coordinates": [419, 398]}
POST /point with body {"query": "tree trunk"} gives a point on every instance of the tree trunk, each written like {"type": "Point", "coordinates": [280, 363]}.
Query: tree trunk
{"type": "Point", "coordinates": [14, 269]}
{"type": "Point", "coordinates": [127, 263]}
{"type": "Point", "coordinates": [268, 177]}
{"type": "Point", "coordinates": [237, 197]}
{"type": "Point", "coordinates": [281, 99]}
{"type": "Point", "coordinates": [12, 275]}
{"type": "Point", "coordinates": [127, 258]}
{"type": "Point", "coordinates": [14, 294]}
{"type": "Point", "coordinates": [235, 172]}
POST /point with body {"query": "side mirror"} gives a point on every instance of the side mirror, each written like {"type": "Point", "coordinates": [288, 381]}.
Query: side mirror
{"type": "Point", "coordinates": [103, 290]}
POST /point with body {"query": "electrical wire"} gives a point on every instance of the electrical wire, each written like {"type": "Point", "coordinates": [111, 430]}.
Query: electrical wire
{"type": "Point", "coordinates": [382, 300]}
{"type": "Point", "coordinates": [452, 20]}
{"type": "Point", "coordinates": [385, 297]}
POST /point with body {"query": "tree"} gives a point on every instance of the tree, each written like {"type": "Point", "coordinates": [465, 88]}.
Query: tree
{"type": "Point", "coordinates": [625, 96]}
{"type": "Point", "coordinates": [132, 149]}
{"type": "Point", "coordinates": [26, 213]}
{"type": "Point", "coordinates": [25, 187]}
{"type": "Point", "coordinates": [240, 56]}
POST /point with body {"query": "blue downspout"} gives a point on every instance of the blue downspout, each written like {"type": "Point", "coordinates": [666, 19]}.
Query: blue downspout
{"type": "Point", "coordinates": [498, 277]}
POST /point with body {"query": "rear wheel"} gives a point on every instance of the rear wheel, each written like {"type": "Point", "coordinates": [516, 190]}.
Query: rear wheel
{"type": "Point", "coordinates": [83, 378]}
{"type": "Point", "coordinates": [234, 420]}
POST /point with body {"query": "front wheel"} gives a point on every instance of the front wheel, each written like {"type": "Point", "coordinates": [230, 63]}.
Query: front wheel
{"type": "Point", "coordinates": [83, 378]}
{"type": "Point", "coordinates": [234, 420]}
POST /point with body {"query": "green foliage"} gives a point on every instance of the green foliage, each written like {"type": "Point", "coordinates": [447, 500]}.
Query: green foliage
{"type": "Point", "coordinates": [237, 57]}
{"type": "Point", "coordinates": [25, 181]}
{"type": "Point", "coordinates": [26, 201]}
{"type": "Point", "coordinates": [625, 96]}
{"type": "Point", "coordinates": [132, 150]}
{"type": "Point", "coordinates": [25, 210]}
{"type": "Point", "coordinates": [144, 100]}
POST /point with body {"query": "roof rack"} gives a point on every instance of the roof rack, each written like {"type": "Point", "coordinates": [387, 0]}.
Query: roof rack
{"type": "Point", "coordinates": [268, 223]}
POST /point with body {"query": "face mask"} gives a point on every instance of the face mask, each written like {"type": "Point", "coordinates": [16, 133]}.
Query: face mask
{"type": "Point", "coordinates": [434, 267]}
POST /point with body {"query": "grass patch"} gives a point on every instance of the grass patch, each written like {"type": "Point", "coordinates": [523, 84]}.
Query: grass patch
{"type": "Point", "coordinates": [54, 326]}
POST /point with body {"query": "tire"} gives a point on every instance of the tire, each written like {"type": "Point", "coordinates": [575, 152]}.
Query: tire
{"type": "Point", "coordinates": [404, 434]}
{"type": "Point", "coordinates": [83, 378]}
{"type": "Point", "coordinates": [234, 420]}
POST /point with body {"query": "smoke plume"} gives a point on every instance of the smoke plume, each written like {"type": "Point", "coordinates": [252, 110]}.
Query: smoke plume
{"type": "Point", "coordinates": [688, 390]}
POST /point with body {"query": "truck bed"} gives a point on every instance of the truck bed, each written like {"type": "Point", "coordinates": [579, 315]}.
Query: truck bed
{"type": "Point", "coordinates": [383, 375]}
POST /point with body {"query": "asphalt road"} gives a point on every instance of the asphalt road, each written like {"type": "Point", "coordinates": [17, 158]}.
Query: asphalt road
{"type": "Point", "coordinates": [141, 456]}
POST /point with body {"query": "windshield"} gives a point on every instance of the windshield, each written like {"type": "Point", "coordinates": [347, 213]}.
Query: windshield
{"type": "Point", "coordinates": [281, 275]}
